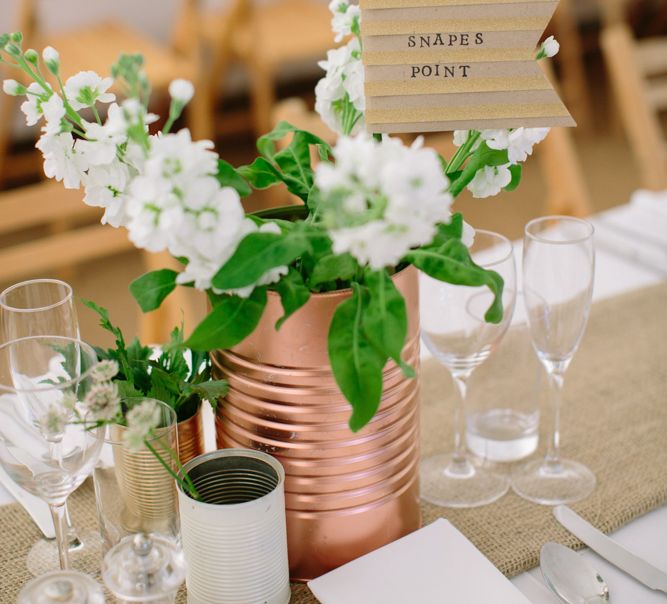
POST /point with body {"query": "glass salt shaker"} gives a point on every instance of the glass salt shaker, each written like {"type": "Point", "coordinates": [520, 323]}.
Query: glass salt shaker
{"type": "Point", "coordinates": [61, 587]}
{"type": "Point", "coordinates": [144, 568]}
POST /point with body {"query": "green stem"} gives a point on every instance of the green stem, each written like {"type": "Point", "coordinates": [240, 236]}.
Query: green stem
{"type": "Point", "coordinates": [171, 472]}
{"type": "Point", "coordinates": [186, 477]}
{"type": "Point", "coordinates": [97, 115]}
{"type": "Point", "coordinates": [463, 153]}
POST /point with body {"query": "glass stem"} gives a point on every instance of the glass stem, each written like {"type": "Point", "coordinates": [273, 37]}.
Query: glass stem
{"type": "Point", "coordinates": [556, 380]}
{"type": "Point", "coordinates": [58, 515]}
{"type": "Point", "coordinates": [461, 383]}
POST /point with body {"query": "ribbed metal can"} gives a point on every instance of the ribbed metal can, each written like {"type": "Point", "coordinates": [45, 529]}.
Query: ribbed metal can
{"type": "Point", "coordinates": [234, 538]}
{"type": "Point", "coordinates": [346, 494]}
{"type": "Point", "coordinates": [191, 437]}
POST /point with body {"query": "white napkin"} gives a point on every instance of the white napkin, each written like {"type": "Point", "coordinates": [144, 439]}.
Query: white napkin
{"type": "Point", "coordinates": [435, 565]}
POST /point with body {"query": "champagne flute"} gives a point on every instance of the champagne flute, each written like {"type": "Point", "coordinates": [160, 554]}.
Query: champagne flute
{"type": "Point", "coordinates": [558, 273]}
{"type": "Point", "coordinates": [44, 307]}
{"type": "Point", "coordinates": [455, 331]}
{"type": "Point", "coordinates": [44, 445]}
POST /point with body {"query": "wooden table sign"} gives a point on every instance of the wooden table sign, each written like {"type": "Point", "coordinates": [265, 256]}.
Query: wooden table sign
{"type": "Point", "coordinates": [439, 65]}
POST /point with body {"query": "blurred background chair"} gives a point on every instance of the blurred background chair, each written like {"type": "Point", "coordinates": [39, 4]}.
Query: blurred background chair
{"type": "Point", "coordinates": [266, 38]}
{"type": "Point", "coordinates": [638, 72]}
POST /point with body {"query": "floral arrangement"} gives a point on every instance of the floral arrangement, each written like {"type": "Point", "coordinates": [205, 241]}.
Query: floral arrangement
{"type": "Point", "coordinates": [372, 205]}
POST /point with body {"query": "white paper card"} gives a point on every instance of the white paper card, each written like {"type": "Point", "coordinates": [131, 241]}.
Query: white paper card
{"type": "Point", "coordinates": [435, 565]}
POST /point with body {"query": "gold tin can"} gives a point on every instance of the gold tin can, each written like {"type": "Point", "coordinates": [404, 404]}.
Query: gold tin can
{"type": "Point", "coordinates": [346, 494]}
{"type": "Point", "coordinates": [191, 437]}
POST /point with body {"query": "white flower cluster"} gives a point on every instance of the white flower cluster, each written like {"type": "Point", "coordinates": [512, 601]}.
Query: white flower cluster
{"type": "Point", "coordinates": [339, 95]}
{"type": "Point", "coordinates": [380, 199]}
{"type": "Point", "coordinates": [141, 421]}
{"type": "Point", "coordinates": [164, 192]}
{"type": "Point", "coordinates": [519, 143]}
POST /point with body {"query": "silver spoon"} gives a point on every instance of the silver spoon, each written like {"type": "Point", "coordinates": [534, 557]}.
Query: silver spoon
{"type": "Point", "coordinates": [570, 577]}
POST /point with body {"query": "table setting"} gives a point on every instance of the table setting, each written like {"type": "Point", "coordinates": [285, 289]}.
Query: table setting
{"type": "Point", "coordinates": [383, 403]}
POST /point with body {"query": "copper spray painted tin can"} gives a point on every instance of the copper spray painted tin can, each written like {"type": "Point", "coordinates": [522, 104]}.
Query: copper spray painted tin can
{"type": "Point", "coordinates": [191, 436]}
{"type": "Point", "coordinates": [346, 494]}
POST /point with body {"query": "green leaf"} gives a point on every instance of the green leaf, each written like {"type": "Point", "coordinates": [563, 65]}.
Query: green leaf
{"type": "Point", "coordinates": [257, 254]}
{"type": "Point", "coordinates": [356, 363]}
{"type": "Point", "coordinates": [127, 390]}
{"type": "Point", "coordinates": [483, 156]}
{"type": "Point", "coordinates": [231, 321]}
{"type": "Point", "coordinates": [293, 294]}
{"type": "Point", "coordinates": [445, 232]}
{"type": "Point", "coordinates": [211, 390]}
{"type": "Point", "coordinates": [452, 263]}
{"type": "Point", "coordinates": [266, 144]}
{"type": "Point", "coordinates": [516, 171]}
{"type": "Point", "coordinates": [165, 386]}
{"type": "Point", "coordinates": [151, 289]}
{"type": "Point", "coordinates": [385, 318]}
{"type": "Point", "coordinates": [295, 165]}
{"type": "Point", "coordinates": [228, 176]}
{"type": "Point", "coordinates": [333, 268]}
{"type": "Point", "coordinates": [260, 174]}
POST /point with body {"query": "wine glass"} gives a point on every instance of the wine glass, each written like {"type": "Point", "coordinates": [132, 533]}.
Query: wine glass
{"type": "Point", "coordinates": [45, 447]}
{"type": "Point", "coordinates": [455, 331]}
{"type": "Point", "coordinates": [45, 307]}
{"type": "Point", "coordinates": [62, 587]}
{"type": "Point", "coordinates": [558, 273]}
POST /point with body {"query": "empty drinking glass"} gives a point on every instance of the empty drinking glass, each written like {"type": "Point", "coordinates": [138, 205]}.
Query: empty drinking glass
{"type": "Point", "coordinates": [455, 331]}
{"type": "Point", "coordinates": [45, 447]}
{"type": "Point", "coordinates": [558, 272]}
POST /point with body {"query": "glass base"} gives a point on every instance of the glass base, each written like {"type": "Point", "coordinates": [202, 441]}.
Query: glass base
{"type": "Point", "coordinates": [553, 483]}
{"type": "Point", "coordinates": [453, 483]}
{"type": "Point", "coordinates": [43, 556]}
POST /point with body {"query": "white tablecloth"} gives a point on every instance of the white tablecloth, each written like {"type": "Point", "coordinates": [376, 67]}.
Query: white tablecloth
{"type": "Point", "coordinates": [632, 253]}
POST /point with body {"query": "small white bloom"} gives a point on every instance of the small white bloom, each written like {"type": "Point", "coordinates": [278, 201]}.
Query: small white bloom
{"type": "Point", "coordinates": [102, 401]}
{"type": "Point", "coordinates": [13, 88]}
{"type": "Point", "coordinates": [519, 142]}
{"type": "Point", "coordinates": [490, 181]}
{"type": "Point", "coordinates": [181, 91]}
{"type": "Point", "coordinates": [103, 141]}
{"type": "Point", "coordinates": [32, 106]}
{"type": "Point", "coordinates": [86, 88]}
{"type": "Point", "coordinates": [61, 161]}
{"type": "Point", "coordinates": [468, 236]}
{"type": "Point", "coordinates": [104, 371]}
{"type": "Point", "coordinates": [550, 47]}
{"type": "Point", "coordinates": [345, 19]}
{"type": "Point", "coordinates": [105, 188]}
{"type": "Point", "coordinates": [53, 111]}
{"type": "Point", "coordinates": [51, 59]}
{"type": "Point", "coordinates": [54, 421]}
{"type": "Point", "coordinates": [141, 420]}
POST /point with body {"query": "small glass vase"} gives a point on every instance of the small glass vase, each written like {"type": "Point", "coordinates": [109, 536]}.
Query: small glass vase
{"type": "Point", "coordinates": [133, 491]}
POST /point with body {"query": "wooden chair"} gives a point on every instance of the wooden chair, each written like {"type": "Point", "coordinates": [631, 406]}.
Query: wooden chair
{"type": "Point", "coordinates": [265, 38]}
{"type": "Point", "coordinates": [635, 67]}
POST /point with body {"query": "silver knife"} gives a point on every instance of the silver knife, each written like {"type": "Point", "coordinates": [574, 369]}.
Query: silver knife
{"type": "Point", "coordinates": [606, 547]}
{"type": "Point", "coordinates": [37, 508]}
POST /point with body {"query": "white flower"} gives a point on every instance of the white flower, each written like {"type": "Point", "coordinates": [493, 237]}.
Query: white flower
{"type": "Point", "coordinates": [381, 199]}
{"type": "Point", "coordinates": [519, 142]}
{"type": "Point", "coordinates": [32, 106]}
{"type": "Point", "coordinates": [53, 111]}
{"type": "Point", "coordinates": [86, 88]}
{"type": "Point", "coordinates": [549, 48]}
{"type": "Point", "coordinates": [61, 161]}
{"type": "Point", "coordinates": [141, 420]}
{"type": "Point", "coordinates": [51, 58]}
{"type": "Point", "coordinates": [153, 213]}
{"type": "Point", "coordinates": [344, 81]}
{"type": "Point", "coordinates": [345, 19]}
{"type": "Point", "coordinates": [181, 91]}
{"type": "Point", "coordinates": [179, 159]}
{"type": "Point", "coordinates": [103, 141]}
{"type": "Point", "coordinates": [468, 236]}
{"type": "Point", "coordinates": [490, 181]}
{"type": "Point", "coordinates": [54, 421]}
{"type": "Point", "coordinates": [133, 110]}
{"type": "Point", "coordinates": [13, 88]}
{"type": "Point", "coordinates": [102, 402]}
{"type": "Point", "coordinates": [105, 188]}
{"type": "Point", "coordinates": [104, 371]}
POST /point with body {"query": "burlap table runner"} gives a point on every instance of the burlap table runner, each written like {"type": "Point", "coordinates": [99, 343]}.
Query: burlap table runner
{"type": "Point", "coordinates": [614, 420]}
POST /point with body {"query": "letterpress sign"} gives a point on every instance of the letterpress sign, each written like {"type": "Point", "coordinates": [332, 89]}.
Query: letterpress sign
{"type": "Point", "coordinates": [438, 65]}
